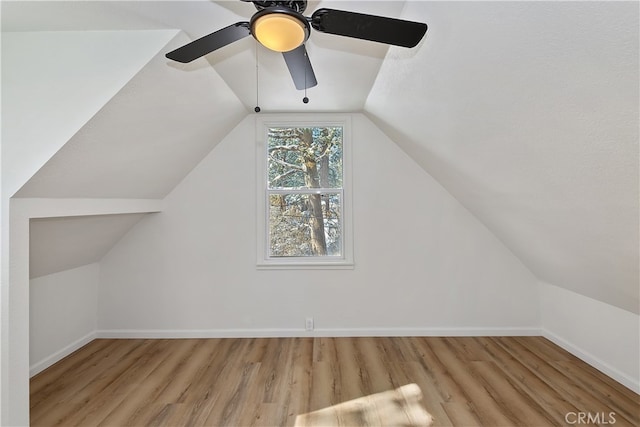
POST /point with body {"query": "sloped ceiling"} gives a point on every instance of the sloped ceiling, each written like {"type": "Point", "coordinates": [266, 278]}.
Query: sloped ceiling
{"type": "Point", "coordinates": [58, 244]}
{"type": "Point", "coordinates": [53, 82]}
{"type": "Point", "coordinates": [146, 139]}
{"type": "Point", "coordinates": [527, 112]}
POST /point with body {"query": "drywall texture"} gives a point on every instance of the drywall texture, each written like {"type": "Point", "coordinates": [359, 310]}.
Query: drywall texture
{"type": "Point", "coordinates": [605, 336]}
{"type": "Point", "coordinates": [62, 312]}
{"type": "Point", "coordinates": [422, 261]}
{"type": "Point", "coordinates": [64, 243]}
{"type": "Point", "coordinates": [58, 81]}
{"type": "Point", "coordinates": [529, 116]}
{"type": "Point", "coordinates": [142, 142]}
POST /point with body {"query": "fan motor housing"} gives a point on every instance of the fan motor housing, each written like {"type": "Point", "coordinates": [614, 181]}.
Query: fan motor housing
{"type": "Point", "coordinates": [298, 5]}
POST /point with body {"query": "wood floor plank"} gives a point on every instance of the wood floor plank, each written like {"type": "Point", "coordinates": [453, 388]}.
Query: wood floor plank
{"type": "Point", "coordinates": [300, 379]}
{"type": "Point", "coordinates": [469, 348]}
{"type": "Point", "coordinates": [346, 366]}
{"type": "Point", "coordinates": [571, 390]}
{"type": "Point", "coordinates": [154, 389]}
{"type": "Point", "coordinates": [526, 410]}
{"type": "Point", "coordinates": [378, 378]}
{"type": "Point", "coordinates": [231, 404]}
{"type": "Point", "coordinates": [603, 391]}
{"type": "Point", "coordinates": [57, 377]}
{"type": "Point", "coordinates": [460, 414]}
{"type": "Point", "coordinates": [442, 379]}
{"type": "Point", "coordinates": [467, 381]}
{"type": "Point", "coordinates": [116, 389]}
{"type": "Point", "coordinates": [543, 393]}
{"type": "Point", "coordinates": [64, 379]}
{"type": "Point", "coordinates": [430, 393]}
{"type": "Point", "coordinates": [77, 396]}
{"type": "Point", "coordinates": [482, 399]}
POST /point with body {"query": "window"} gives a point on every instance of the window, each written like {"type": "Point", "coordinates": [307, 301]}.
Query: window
{"type": "Point", "coordinates": [304, 205]}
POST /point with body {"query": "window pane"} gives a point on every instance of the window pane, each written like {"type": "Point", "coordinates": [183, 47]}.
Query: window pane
{"type": "Point", "coordinates": [303, 225]}
{"type": "Point", "coordinates": [305, 157]}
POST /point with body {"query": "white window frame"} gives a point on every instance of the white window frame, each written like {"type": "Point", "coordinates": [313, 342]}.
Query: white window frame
{"type": "Point", "coordinates": [264, 261]}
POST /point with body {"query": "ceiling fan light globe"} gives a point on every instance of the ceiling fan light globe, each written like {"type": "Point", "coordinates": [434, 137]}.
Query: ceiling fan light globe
{"type": "Point", "coordinates": [279, 32]}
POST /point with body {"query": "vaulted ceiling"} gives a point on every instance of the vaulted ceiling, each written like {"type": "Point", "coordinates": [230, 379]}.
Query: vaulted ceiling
{"type": "Point", "coordinates": [526, 112]}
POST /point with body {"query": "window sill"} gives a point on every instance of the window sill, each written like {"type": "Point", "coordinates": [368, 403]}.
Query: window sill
{"type": "Point", "coordinates": [283, 265]}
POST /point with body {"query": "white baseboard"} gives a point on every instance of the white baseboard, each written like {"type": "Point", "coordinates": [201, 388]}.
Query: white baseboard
{"type": "Point", "coordinates": [338, 332]}
{"type": "Point", "coordinates": [61, 354]}
{"type": "Point", "coordinates": [631, 383]}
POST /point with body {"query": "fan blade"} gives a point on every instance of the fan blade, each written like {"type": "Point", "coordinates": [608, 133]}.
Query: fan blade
{"type": "Point", "coordinates": [300, 68]}
{"type": "Point", "coordinates": [369, 27]}
{"type": "Point", "coordinates": [209, 43]}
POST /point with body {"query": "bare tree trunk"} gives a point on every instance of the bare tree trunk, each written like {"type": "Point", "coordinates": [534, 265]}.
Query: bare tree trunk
{"type": "Point", "coordinates": [312, 180]}
{"type": "Point", "coordinates": [318, 242]}
{"type": "Point", "coordinates": [324, 181]}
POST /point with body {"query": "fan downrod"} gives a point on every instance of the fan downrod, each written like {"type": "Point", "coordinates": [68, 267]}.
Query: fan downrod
{"type": "Point", "coordinates": [298, 5]}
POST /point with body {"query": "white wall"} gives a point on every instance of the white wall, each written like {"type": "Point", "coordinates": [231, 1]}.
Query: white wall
{"type": "Point", "coordinates": [15, 359]}
{"type": "Point", "coordinates": [604, 336]}
{"type": "Point", "coordinates": [424, 265]}
{"type": "Point", "coordinates": [62, 315]}
{"type": "Point", "coordinates": [56, 85]}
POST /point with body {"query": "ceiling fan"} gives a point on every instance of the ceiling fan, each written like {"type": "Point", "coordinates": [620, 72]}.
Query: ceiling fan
{"type": "Point", "coordinates": [279, 25]}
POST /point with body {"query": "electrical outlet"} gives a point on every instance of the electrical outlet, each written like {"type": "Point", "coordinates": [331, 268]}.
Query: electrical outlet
{"type": "Point", "coordinates": [308, 324]}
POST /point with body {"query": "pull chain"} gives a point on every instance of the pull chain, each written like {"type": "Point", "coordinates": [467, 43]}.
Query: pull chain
{"type": "Point", "coordinates": [305, 99]}
{"type": "Point", "coordinates": [257, 109]}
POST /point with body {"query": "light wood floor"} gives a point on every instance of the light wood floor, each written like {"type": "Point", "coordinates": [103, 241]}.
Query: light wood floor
{"type": "Point", "coordinates": [503, 381]}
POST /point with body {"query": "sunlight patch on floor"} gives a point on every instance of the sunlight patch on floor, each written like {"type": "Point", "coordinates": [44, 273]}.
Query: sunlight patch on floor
{"type": "Point", "coordinates": [399, 407]}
